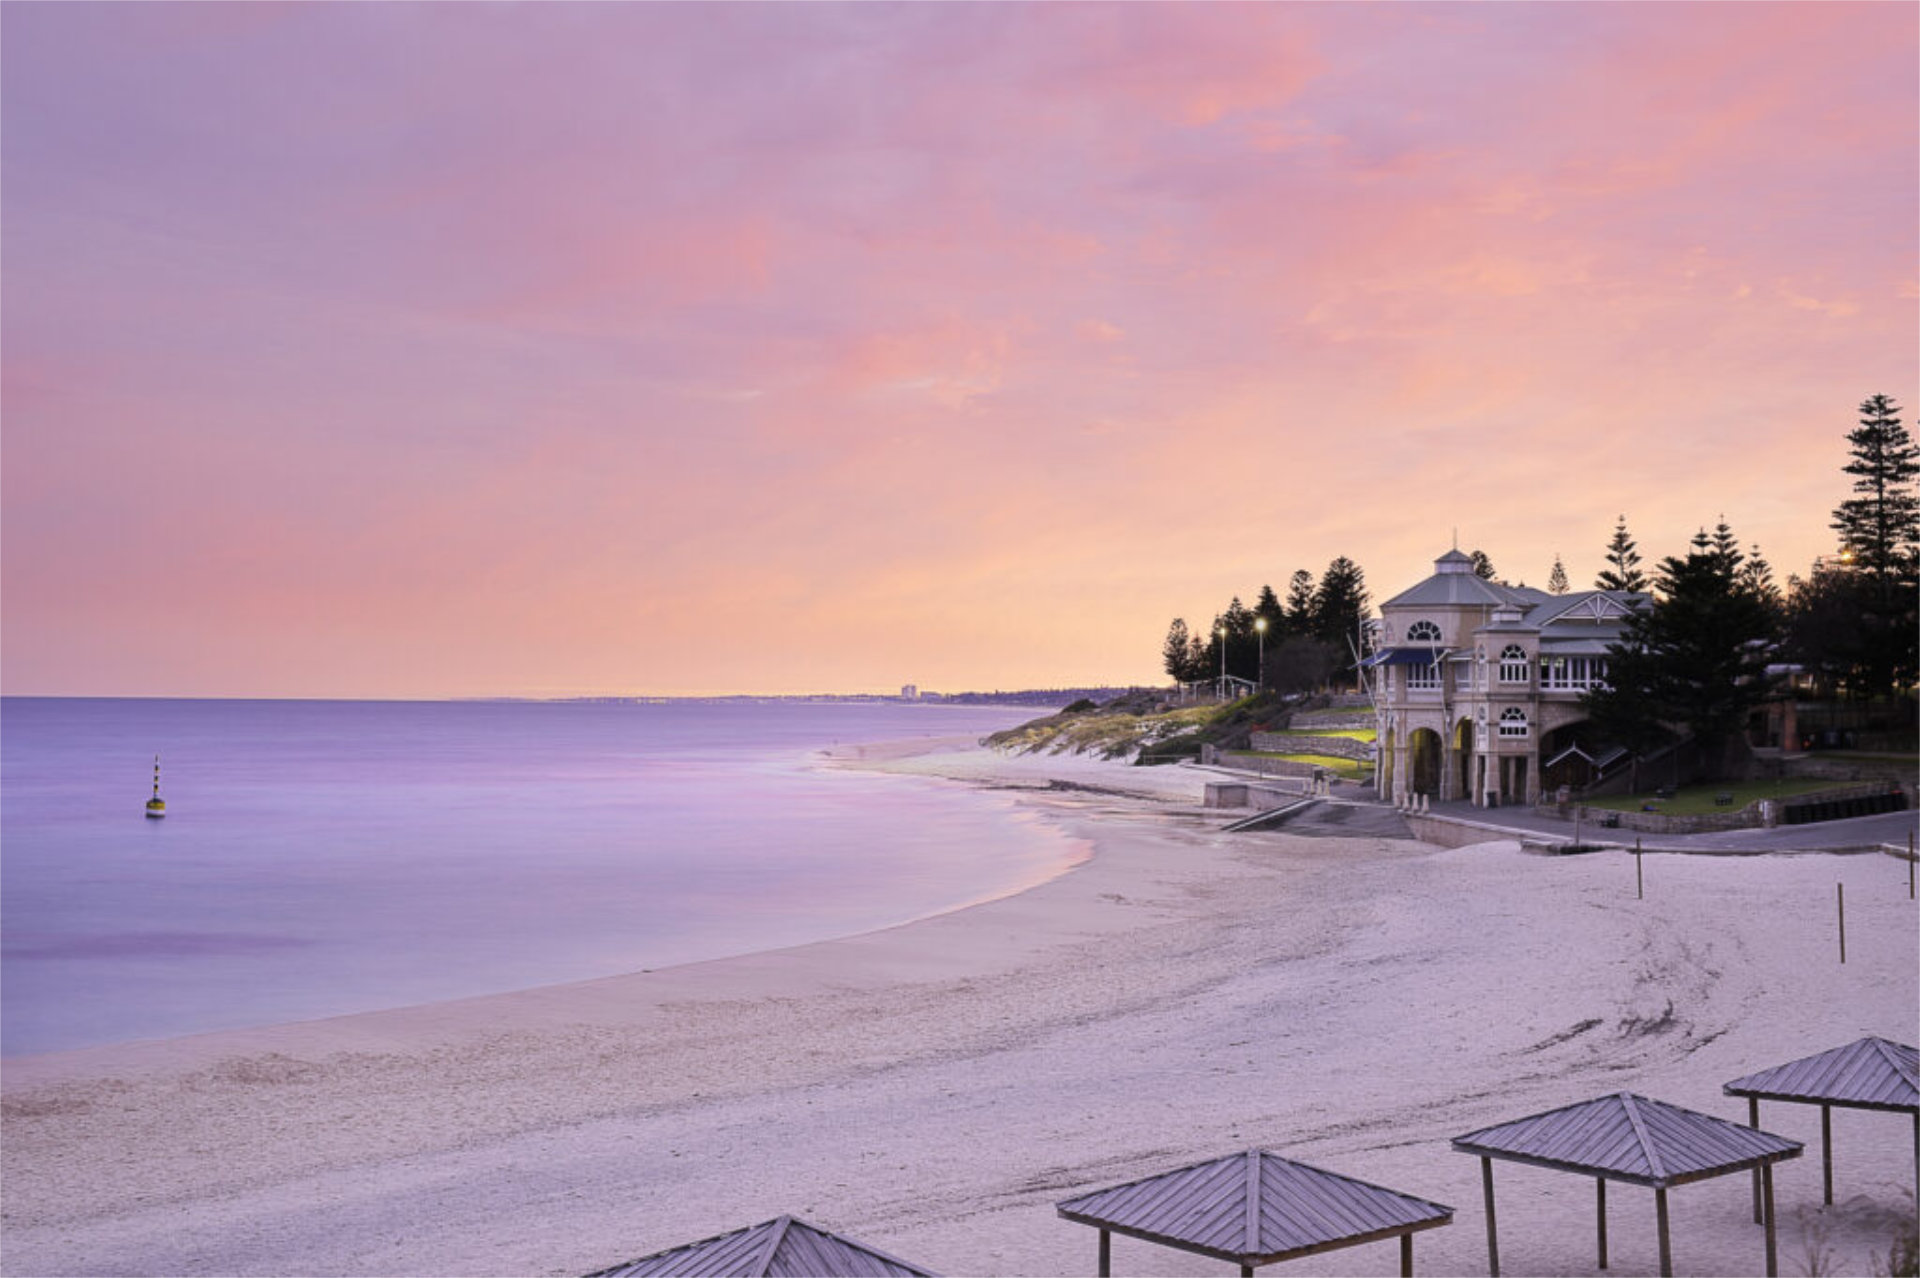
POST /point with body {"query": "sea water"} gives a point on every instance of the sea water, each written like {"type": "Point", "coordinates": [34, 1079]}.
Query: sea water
{"type": "Point", "coordinates": [321, 858]}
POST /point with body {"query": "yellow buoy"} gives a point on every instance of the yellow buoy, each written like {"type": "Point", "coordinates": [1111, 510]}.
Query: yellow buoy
{"type": "Point", "coordinates": [156, 806]}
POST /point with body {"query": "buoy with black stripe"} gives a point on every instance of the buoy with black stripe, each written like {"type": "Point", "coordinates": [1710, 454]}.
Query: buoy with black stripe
{"type": "Point", "coordinates": [156, 806]}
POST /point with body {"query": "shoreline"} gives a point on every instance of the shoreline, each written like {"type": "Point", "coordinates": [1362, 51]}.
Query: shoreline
{"type": "Point", "coordinates": [393, 1026]}
{"type": "Point", "coordinates": [934, 1087]}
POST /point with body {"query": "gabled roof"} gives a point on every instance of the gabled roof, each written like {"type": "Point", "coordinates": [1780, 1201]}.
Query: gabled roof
{"type": "Point", "coordinates": [1873, 1073]}
{"type": "Point", "coordinates": [1254, 1207]}
{"type": "Point", "coordinates": [1587, 606]}
{"type": "Point", "coordinates": [782, 1248]}
{"type": "Point", "coordinates": [1631, 1138]}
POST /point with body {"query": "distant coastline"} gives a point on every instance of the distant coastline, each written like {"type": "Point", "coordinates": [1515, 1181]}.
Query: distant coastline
{"type": "Point", "coordinates": [1026, 697]}
{"type": "Point", "coordinates": [1043, 697]}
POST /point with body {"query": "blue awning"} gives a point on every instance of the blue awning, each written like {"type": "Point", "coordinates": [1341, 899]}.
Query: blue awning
{"type": "Point", "coordinates": [1404, 657]}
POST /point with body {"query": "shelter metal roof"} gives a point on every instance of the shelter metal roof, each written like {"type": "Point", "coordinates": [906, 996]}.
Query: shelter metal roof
{"type": "Point", "coordinates": [1255, 1208]}
{"type": "Point", "coordinates": [782, 1248]}
{"type": "Point", "coordinates": [1630, 1138]}
{"type": "Point", "coordinates": [1872, 1073]}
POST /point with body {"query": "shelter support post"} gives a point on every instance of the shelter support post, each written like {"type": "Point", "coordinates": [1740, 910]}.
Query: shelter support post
{"type": "Point", "coordinates": [1826, 1152]}
{"type": "Point", "coordinates": [1753, 1121]}
{"type": "Point", "coordinates": [1493, 1235]}
{"type": "Point", "coordinates": [1246, 1271]}
{"type": "Point", "coordinates": [1600, 1184]}
{"type": "Point", "coordinates": [1666, 1244]}
{"type": "Point", "coordinates": [1406, 1256]}
{"type": "Point", "coordinates": [1106, 1254]}
{"type": "Point", "coordinates": [1773, 1252]}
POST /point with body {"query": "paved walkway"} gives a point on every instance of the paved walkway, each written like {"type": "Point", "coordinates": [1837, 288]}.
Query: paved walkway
{"type": "Point", "coordinates": [1854, 833]}
{"type": "Point", "coordinates": [1891, 829]}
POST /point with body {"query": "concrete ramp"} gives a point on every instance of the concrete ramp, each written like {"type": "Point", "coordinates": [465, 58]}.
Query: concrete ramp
{"type": "Point", "coordinates": [1334, 819]}
{"type": "Point", "coordinates": [1270, 817]}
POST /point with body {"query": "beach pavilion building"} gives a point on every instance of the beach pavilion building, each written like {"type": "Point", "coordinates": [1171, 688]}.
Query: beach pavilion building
{"type": "Point", "coordinates": [1476, 686]}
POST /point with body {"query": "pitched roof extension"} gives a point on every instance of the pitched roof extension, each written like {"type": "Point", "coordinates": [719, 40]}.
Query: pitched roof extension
{"type": "Point", "coordinates": [1255, 1208]}
{"type": "Point", "coordinates": [1871, 1073]}
{"type": "Point", "coordinates": [1630, 1138]}
{"type": "Point", "coordinates": [781, 1248]}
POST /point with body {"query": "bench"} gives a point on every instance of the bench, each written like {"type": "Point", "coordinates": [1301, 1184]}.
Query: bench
{"type": "Point", "coordinates": [1722, 800]}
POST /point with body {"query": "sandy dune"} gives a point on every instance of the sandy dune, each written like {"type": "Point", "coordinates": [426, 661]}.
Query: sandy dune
{"type": "Point", "coordinates": [934, 1089]}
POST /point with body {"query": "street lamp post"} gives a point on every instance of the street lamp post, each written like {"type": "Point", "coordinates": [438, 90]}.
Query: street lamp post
{"type": "Point", "coordinates": [1221, 635]}
{"type": "Point", "coordinates": [1260, 628]}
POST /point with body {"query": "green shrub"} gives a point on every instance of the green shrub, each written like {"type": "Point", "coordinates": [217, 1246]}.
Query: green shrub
{"type": "Point", "coordinates": [1172, 750]}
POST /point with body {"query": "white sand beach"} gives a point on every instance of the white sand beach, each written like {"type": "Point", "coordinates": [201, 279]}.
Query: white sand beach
{"type": "Point", "coordinates": [934, 1089]}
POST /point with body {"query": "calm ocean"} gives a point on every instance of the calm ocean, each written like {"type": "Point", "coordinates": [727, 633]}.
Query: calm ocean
{"type": "Point", "coordinates": [321, 858]}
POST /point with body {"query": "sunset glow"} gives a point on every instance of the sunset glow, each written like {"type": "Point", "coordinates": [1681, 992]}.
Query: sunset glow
{"type": "Point", "coordinates": [410, 350]}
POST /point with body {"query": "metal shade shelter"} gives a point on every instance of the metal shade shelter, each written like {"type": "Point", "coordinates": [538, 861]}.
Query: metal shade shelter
{"type": "Point", "coordinates": [782, 1248]}
{"type": "Point", "coordinates": [1632, 1139]}
{"type": "Point", "coordinates": [1871, 1073]}
{"type": "Point", "coordinates": [1254, 1208]}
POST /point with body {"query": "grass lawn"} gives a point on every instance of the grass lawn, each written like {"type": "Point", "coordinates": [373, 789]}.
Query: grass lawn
{"type": "Point", "coordinates": [1345, 769]}
{"type": "Point", "coordinates": [1351, 734]}
{"type": "Point", "coordinates": [1865, 756]}
{"type": "Point", "coordinates": [1697, 800]}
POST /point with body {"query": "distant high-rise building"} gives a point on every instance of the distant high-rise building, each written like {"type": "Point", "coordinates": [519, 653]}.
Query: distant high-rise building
{"type": "Point", "coordinates": [910, 692]}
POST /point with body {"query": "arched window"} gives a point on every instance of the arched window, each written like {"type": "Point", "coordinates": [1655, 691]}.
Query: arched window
{"type": "Point", "coordinates": [1513, 722]}
{"type": "Point", "coordinates": [1513, 664]}
{"type": "Point", "coordinates": [1423, 632]}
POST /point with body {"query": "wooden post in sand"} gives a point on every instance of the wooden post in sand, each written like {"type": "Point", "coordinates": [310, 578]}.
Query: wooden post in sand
{"type": "Point", "coordinates": [1639, 880]}
{"type": "Point", "coordinates": [1773, 1250]}
{"type": "Point", "coordinates": [1826, 1151]}
{"type": "Point", "coordinates": [1910, 865]}
{"type": "Point", "coordinates": [1840, 899]}
{"type": "Point", "coordinates": [1601, 1183]}
{"type": "Point", "coordinates": [1660, 1218]}
{"type": "Point", "coordinates": [1493, 1233]}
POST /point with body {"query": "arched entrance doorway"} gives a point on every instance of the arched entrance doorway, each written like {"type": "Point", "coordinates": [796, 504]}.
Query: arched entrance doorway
{"type": "Point", "coordinates": [1423, 762]}
{"type": "Point", "coordinates": [1463, 758]}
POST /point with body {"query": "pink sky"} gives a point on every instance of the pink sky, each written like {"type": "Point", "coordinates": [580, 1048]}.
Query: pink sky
{"type": "Point", "coordinates": [442, 350]}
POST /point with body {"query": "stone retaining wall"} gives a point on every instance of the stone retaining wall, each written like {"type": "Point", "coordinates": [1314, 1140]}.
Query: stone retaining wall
{"type": "Point", "coordinates": [1763, 813]}
{"type": "Point", "coordinates": [1253, 763]}
{"type": "Point", "coordinates": [1595, 819]}
{"type": "Point", "coordinates": [1331, 719]}
{"type": "Point", "coordinates": [1242, 794]}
